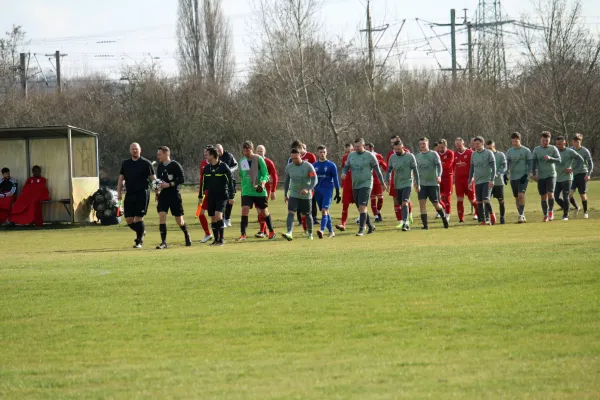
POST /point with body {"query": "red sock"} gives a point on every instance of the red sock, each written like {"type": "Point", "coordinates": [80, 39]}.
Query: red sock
{"type": "Point", "coordinates": [374, 205]}
{"type": "Point", "coordinates": [448, 204]}
{"type": "Point", "coordinates": [460, 208]}
{"type": "Point", "coordinates": [204, 223]}
{"type": "Point", "coordinates": [345, 207]}
{"type": "Point", "coordinates": [379, 205]}
{"type": "Point", "coordinates": [398, 211]}
{"type": "Point", "coordinates": [442, 203]}
{"type": "Point", "coordinates": [474, 204]}
{"type": "Point", "coordinates": [410, 207]}
{"type": "Point", "coordinates": [262, 224]}
{"type": "Point", "coordinates": [304, 222]}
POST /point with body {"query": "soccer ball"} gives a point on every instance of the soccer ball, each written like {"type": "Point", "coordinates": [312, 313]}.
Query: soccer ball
{"type": "Point", "coordinates": [108, 213]}
{"type": "Point", "coordinates": [156, 184]}
{"type": "Point", "coordinates": [101, 207]}
{"type": "Point", "coordinates": [98, 198]}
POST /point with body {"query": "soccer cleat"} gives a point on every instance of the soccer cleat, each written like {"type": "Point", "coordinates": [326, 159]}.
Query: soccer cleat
{"type": "Point", "coordinates": [475, 217]}
{"type": "Point", "coordinates": [227, 223]}
{"type": "Point", "coordinates": [586, 215]}
{"type": "Point", "coordinates": [272, 235]}
{"type": "Point", "coordinates": [502, 221]}
{"type": "Point", "coordinates": [448, 217]}
{"type": "Point", "coordinates": [320, 234]}
{"type": "Point", "coordinates": [401, 225]}
{"type": "Point", "coordinates": [550, 215]}
{"type": "Point", "coordinates": [565, 218]}
{"type": "Point", "coordinates": [242, 238]}
{"type": "Point", "coordinates": [341, 228]}
{"type": "Point", "coordinates": [360, 233]}
{"type": "Point", "coordinates": [483, 223]}
{"type": "Point", "coordinates": [206, 238]}
{"type": "Point", "coordinates": [309, 236]}
{"type": "Point", "coordinates": [188, 241]}
{"type": "Point", "coordinates": [287, 236]}
{"type": "Point", "coordinates": [576, 211]}
{"type": "Point", "coordinates": [545, 218]}
{"type": "Point", "coordinates": [445, 221]}
{"type": "Point", "coordinates": [437, 216]}
{"type": "Point", "coordinates": [493, 219]}
{"type": "Point", "coordinates": [260, 235]}
{"type": "Point", "coordinates": [136, 240]}
{"type": "Point", "coordinates": [405, 227]}
{"type": "Point", "coordinates": [524, 219]}
{"type": "Point", "coordinates": [371, 229]}
{"type": "Point", "coordinates": [425, 228]}
{"type": "Point", "coordinates": [357, 220]}
{"type": "Point", "coordinates": [461, 221]}
{"type": "Point", "coordinates": [214, 243]}
{"type": "Point", "coordinates": [137, 246]}
{"type": "Point", "coordinates": [162, 246]}
{"type": "Point", "coordinates": [331, 235]}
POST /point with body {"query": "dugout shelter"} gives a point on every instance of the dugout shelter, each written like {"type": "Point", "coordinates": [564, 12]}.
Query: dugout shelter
{"type": "Point", "coordinates": [69, 160]}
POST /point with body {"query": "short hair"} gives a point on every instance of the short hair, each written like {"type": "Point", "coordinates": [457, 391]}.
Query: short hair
{"type": "Point", "coordinates": [295, 150]}
{"type": "Point", "coordinates": [36, 167]}
{"type": "Point", "coordinates": [213, 152]}
{"type": "Point", "coordinates": [490, 142]}
{"type": "Point", "coordinates": [395, 137]}
{"type": "Point", "coordinates": [398, 142]}
{"type": "Point", "coordinates": [371, 145]}
{"type": "Point", "coordinates": [296, 144]}
{"type": "Point", "coordinates": [208, 146]}
{"type": "Point", "coordinates": [348, 145]}
{"type": "Point", "coordinates": [478, 139]}
{"type": "Point", "coordinates": [248, 145]}
{"type": "Point", "coordinates": [546, 135]}
{"type": "Point", "coordinates": [459, 139]}
{"type": "Point", "coordinates": [359, 141]}
{"type": "Point", "coordinates": [164, 149]}
{"type": "Point", "coordinates": [443, 141]}
{"type": "Point", "coordinates": [5, 170]}
{"type": "Point", "coordinates": [561, 138]}
{"type": "Point", "coordinates": [516, 135]}
{"type": "Point", "coordinates": [578, 137]}
{"type": "Point", "coordinates": [424, 139]}
{"type": "Point", "coordinates": [321, 147]}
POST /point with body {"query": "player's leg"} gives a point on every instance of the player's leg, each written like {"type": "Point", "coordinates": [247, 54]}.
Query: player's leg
{"type": "Point", "coordinates": [129, 208]}
{"type": "Point", "coordinates": [550, 185]}
{"type": "Point", "coordinates": [488, 209]}
{"type": "Point", "coordinates": [325, 205]}
{"type": "Point", "coordinates": [460, 200]}
{"type": "Point", "coordinates": [434, 197]}
{"type": "Point", "coordinates": [423, 207]}
{"type": "Point", "coordinates": [306, 208]}
{"type": "Point", "coordinates": [204, 220]}
{"type": "Point", "coordinates": [564, 188]}
{"type": "Point", "coordinates": [397, 207]}
{"type": "Point", "coordinates": [227, 215]}
{"type": "Point", "coordinates": [292, 210]}
{"type": "Point", "coordinates": [361, 198]}
{"type": "Point", "coordinates": [162, 227]}
{"type": "Point", "coordinates": [314, 209]}
{"type": "Point", "coordinates": [470, 193]}
{"type": "Point", "coordinates": [247, 205]}
{"type": "Point", "coordinates": [580, 183]}
{"type": "Point", "coordinates": [380, 206]}
{"type": "Point", "coordinates": [574, 187]}
{"type": "Point", "coordinates": [498, 193]}
{"type": "Point", "coordinates": [262, 226]}
{"type": "Point", "coordinates": [404, 196]}
{"type": "Point", "coordinates": [558, 190]}
{"type": "Point", "coordinates": [544, 197]}
{"type": "Point", "coordinates": [263, 204]}
{"type": "Point", "coordinates": [140, 207]}
{"type": "Point", "coordinates": [177, 211]}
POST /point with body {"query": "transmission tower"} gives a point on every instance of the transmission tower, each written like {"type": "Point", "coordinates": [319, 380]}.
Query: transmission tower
{"type": "Point", "coordinates": [491, 56]}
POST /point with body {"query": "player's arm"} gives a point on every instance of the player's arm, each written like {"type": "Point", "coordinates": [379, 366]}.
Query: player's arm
{"type": "Point", "coordinates": [415, 172]}
{"type": "Point", "coordinates": [503, 166]}
{"type": "Point", "coordinates": [508, 163]}
{"type": "Point", "coordinates": [202, 184]}
{"type": "Point", "coordinates": [346, 167]}
{"type": "Point", "coordinates": [388, 172]}
{"type": "Point", "coordinates": [178, 177]}
{"type": "Point", "coordinates": [286, 184]}
{"type": "Point", "coordinates": [13, 189]}
{"type": "Point", "coordinates": [312, 174]}
{"type": "Point", "coordinates": [375, 166]}
{"type": "Point", "coordinates": [438, 166]}
{"type": "Point", "coordinates": [577, 160]}
{"type": "Point", "coordinates": [336, 179]}
{"type": "Point", "coordinates": [555, 157]}
{"type": "Point", "coordinates": [274, 177]}
{"type": "Point", "coordinates": [534, 164]}
{"type": "Point", "coordinates": [229, 180]}
{"type": "Point", "coordinates": [590, 162]}
{"type": "Point", "coordinates": [151, 173]}
{"type": "Point", "coordinates": [492, 163]}
{"type": "Point", "coordinates": [471, 171]}
{"type": "Point", "coordinates": [233, 164]}
{"type": "Point", "coordinates": [263, 177]}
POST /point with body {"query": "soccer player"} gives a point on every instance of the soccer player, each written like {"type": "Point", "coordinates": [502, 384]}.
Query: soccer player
{"type": "Point", "coordinates": [347, 193]}
{"type": "Point", "coordinates": [254, 176]}
{"type": "Point", "coordinates": [327, 180]}
{"type": "Point", "coordinates": [311, 159]}
{"type": "Point", "coordinates": [362, 163]}
{"type": "Point", "coordinates": [397, 203]}
{"type": "Point", "coordinates": [498, 190]}
{"type": "Point", "coordinates": [300, 180]}
{"type": "Point", "coordinates": [217, 183]}
{"type": "Point", "coordinates": [519, 162]}
{"type": "Point", "coordinates": [136, 174]}
{"type": "Point", "coordinates": [403, 166]}
{"type": "Point", "coordinates": [377, 192]}
{"type": "Point", "coordinates": [569, 160]}
{"type": "Point", "coordinates": [203, 200]}
{"type": "Point", "coordinates": [447, 158]}
{"type": "Point", "coordinates": [8, 194]}
{"type": "Point", "coordinates": [430, 176]}
{"type": "Point", "coordinates": [168, 195]}
{"type": "Point", "coordinates": [462, 165]}
{"type": "Point", "coordinates": [545, 158]}
{"type": "Point", "coordinates": [483, 174]}
{"type": "Point", "coordinates": [230, 161]}
{"type": "Point", "coordinates": [581, 175]}
{"type": "Point", "coordinates": [270, 187]}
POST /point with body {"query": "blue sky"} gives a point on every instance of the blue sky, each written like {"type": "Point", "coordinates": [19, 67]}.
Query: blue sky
{"type": "Point", "coordinates": [144, 30]}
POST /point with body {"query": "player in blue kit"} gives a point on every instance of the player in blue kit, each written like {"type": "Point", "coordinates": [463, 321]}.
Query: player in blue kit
{"type": "Point", "coordinates": [327, 175]}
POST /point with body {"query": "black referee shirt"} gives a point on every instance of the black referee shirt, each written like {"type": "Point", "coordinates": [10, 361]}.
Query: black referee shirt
{"type": "Point", "coordinates": [217, 180]}
{"type": "Point", "coordinates": [137, 174]}
{"type": "Point", "coordinates": [171, 172]}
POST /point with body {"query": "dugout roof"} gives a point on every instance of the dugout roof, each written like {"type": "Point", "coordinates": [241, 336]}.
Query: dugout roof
{"type": "Point", "coordinates": [44, 132]}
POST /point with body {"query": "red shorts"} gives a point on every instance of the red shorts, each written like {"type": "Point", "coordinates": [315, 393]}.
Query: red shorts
{"type": "Point", "coordinates": [205, 202]}
{"type": "Point", "coordinates": [377, 189]}
{"type": "Point", "coordinates": [446, 186]}
{"type": "Point", "coordinates": [463, 189]}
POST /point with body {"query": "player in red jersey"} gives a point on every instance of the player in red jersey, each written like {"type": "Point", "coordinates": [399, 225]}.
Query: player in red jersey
{"type": "Point", "coordinates": [202, 217]}
{"type": "Point", "coordinates": [392, 192]}
{"type": "Point", "coordinates": [377, 192]}
{"type": "Point", "coordinates": [447, 158]}
{"type": "Point", "coordinates": [347, 193]}
{"type": "Point", "coordinates": [462, 165]}
{"type": "Point", "coordinates": [270, 187]}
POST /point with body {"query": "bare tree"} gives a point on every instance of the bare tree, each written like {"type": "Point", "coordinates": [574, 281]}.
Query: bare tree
{"type": "Point", "coordinates": [204, 41]}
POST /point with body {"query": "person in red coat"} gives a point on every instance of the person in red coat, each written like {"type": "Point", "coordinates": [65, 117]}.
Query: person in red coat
{"type": "Point", "coordinates": [27, 210]}
{"type": "Point", "coordinates": [8, 194]}
{"type": "Point", "coordinates": [270, 187]}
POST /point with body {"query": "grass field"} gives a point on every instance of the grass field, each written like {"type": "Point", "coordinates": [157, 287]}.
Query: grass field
{"type": "Point", "coordinates": [507, 311]}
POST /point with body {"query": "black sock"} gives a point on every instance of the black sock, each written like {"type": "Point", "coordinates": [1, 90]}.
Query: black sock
{"type": "Point", "coordinates": [424, 220]}
{"type": "Point", "coordinates": [299, 215]}
{"type": "Point", "coordinates": [368, 221]}
{"type": "Point", "coordinates": [244, 224]}
{"type": "Point", "coordinates": [215, 229]}
{"type": "Point", "coordinates": [442, 213]}
{"type": "Point", "coordinates": [488, 210]}
{"type": "Point", "coordinates": [545, 207]}
{"type": "Point", "coordinates": [584, 202]}
{"type": "Point", "coordinates": [363, 221]}
{"type": "Point", "coordinates": [220, 230]}
{"type": "Point", "coordinates": [269, 222]}
{"type": "Point", "coordinates": [132, 226]}
{"type": "Point", "coordinates": [480, 211]}
{"type": "Point", "coordinates": [574, 202]}
{"type": "Point", "coordinates": [163, 232]}
{"type": "Point", "coordinates": [502, 210]}
{"type": "Point", "coordinates": [140, 229]}
{"type": "Point", "coordinates": [314, 209]}
{"type": "Point", "coordinates": [184, 230]}
{"type": "Point", "coordinates": [521, 209]}
{"type": "Point", "coordinates": [551, 205]}
{"type": "Point", "coordinates": [228, 209]}
{"type": "Point", "coordinates": [560, 203]}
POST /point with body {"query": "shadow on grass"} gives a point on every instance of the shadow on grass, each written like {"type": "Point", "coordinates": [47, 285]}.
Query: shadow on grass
{"type": "Point", "coordinates": [77, 251]}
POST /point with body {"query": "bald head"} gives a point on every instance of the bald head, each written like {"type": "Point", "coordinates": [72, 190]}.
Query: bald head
{"type": "Point", "coordinates": [219, 149]}
{"type": "Point", "coordinates": [261, 151]}
{"type": "Point", "coordinates": [135, 150]}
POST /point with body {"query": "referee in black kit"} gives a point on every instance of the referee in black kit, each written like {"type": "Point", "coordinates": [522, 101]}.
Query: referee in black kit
{"type": "Point", "coordinates": [228, 159]}
{"type": "Point", "coordinates": [136, 173]}
{"type": "Point", "coordinates": [217, 183]}
{"type": "Point", "coordinates": [169, 197]}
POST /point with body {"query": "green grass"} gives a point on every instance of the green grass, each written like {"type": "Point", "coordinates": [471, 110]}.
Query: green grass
{"type": "Point", "coordinates": [473, 312]}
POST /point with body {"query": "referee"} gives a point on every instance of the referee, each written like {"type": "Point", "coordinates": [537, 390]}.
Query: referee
{"type": "Point", "coordinates": [136, 173]}
{"type": "Point", "coordinates": [217, 184]}
{"type": "Point", "coordinates": [228, 159]}
{"type": "Point", "coordinates": [169, 197]}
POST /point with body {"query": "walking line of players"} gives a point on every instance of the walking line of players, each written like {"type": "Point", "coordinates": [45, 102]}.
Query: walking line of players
{"type": "Point", "coordinates": [477, 173]}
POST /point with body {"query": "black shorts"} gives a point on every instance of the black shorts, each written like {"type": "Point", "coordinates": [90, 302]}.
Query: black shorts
{"type": "Point", "coordinates": [546, 185]}
{"type": "Point", "coordinates": [519, 185]}
{"type": "Point", "coordinates": [482, 191]}
{"type": "Point", "coordinates": [215, 205]}
{"type": "Point", "coordinates": [304, 206]}
{"type": "Point", "coordinates": [404, 194]}
{"type": "Point", "coordinates": [260, 202]}
{"type": "Point", "coordinates": [362, 196]}
{"type": "Point", "coordinates": [579, 183]}
{"type": "Point", "coordinates": [170, 200]}
{"type": "Point", "coordinates": [498, 192]}
{"type": "Point", "coordinates": [136, 203]}
{"type": "Point", "coordinates": [430, 192]}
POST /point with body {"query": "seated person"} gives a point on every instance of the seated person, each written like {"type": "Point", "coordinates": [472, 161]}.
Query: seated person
{"type": "Point", "coordinates": [27, 210]}
{"type": "Point", "coordinates": [8, 194]}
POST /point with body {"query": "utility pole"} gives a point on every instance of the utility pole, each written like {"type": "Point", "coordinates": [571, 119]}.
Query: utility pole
{"type": "Point", "coordinates": [453, 41]}
{"type": "Point", "coordinates": [58, 80]}
{"type": "Point", "coordinates": [470, 49]}
{"type": "Point", "coordinates": [23, 73]}
{"type": "Point", "coordinates": [370, 44]}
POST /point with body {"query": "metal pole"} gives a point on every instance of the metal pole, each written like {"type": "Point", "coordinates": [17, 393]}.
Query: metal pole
{"type": "Point", "coordinates": [453, 40]}
{"type": "Point", "coordinates": [70, 153]}
{"type": "Point", "coordinates": [58, 78]}
{"type": "Point", "coordinates": [23, 73]}
{"type": "Point", "coordinates": [470, 49]}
